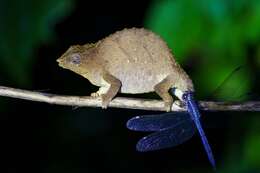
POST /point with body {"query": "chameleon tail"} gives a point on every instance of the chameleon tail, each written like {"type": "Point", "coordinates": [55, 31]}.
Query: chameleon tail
{"type": "Point", "coordinates": [194, 112]}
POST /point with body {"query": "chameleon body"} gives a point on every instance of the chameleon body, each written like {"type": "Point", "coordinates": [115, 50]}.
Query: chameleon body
{"type": "Point", "coordinates": [129, 61]}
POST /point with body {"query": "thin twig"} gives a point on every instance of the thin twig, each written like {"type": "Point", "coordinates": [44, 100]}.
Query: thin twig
{"type": "Point", "coordinates": [122, 102]}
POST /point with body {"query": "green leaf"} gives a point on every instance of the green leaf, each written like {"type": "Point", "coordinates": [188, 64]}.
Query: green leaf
{"type": "Point", "coordinates": [24, 26]}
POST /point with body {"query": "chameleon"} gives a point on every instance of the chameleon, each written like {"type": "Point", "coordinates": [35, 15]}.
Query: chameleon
{"type": "Point", "coordinates": [131, 61]}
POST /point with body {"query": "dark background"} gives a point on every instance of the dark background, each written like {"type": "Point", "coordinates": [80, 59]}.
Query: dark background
{"type": "Point", "coordinates": [39, 137]}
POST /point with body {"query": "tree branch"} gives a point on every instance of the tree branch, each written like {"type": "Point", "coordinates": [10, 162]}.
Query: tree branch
{"type": "Point", "coordinates": [122, 102]}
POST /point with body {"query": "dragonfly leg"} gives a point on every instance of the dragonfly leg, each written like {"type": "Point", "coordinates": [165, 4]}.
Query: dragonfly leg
{"type": "Point", "coordinates": [162, 89]}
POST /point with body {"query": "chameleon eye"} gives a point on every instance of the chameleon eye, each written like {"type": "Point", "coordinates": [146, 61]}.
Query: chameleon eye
{"type": "Point", "coordinates": [75, 59]}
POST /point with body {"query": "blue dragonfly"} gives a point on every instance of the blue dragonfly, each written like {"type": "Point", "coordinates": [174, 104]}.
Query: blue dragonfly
{"type": "Point", "coordinates": [171, 129]}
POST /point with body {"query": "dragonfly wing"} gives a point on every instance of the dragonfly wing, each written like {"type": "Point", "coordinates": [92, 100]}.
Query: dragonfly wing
{"type": "Point", "coordinates": [157, 122]}
{"type": "Point", "coordinates": [167, 138]}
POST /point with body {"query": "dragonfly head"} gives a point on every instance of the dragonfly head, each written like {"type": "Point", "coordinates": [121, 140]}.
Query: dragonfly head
{"type": "Point", "coordinates": [187, 95]}
{"type": "Point", "coordinates": [182, 95]}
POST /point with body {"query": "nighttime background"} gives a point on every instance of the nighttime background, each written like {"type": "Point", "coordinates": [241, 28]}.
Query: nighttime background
{"type": "Point", "coordinates": [208, 38]}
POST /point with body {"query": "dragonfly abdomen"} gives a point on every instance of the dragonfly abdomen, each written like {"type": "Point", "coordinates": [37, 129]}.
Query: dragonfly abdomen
{"type": "Point", "coordinates": [194, 113]}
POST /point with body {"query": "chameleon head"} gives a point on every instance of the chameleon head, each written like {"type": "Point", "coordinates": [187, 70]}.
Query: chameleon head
{"type": "Point", "coordinates": [79, 58]}
{"type": "Point", "coordinates": [72, 59]}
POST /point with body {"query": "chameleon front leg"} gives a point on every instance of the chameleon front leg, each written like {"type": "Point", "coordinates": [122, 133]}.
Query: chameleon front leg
{"type": "Point", "coordinates": [109, 89]}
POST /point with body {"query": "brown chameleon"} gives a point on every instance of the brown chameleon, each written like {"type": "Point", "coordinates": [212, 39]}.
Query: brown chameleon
{"type": "Point", "coordinates": [129, 61]}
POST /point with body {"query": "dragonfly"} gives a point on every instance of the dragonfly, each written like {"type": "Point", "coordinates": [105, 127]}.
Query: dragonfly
{"type": "Point", "coordinates": [171, 129]}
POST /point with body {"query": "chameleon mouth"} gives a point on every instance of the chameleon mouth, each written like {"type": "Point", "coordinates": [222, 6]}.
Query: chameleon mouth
{"type": "Point", "coordinates": [60, 61]}
{"type": "Point", "coordinates": [177, 92]}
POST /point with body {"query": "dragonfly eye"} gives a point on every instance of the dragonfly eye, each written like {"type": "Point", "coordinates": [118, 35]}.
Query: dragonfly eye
{"type": "Point", "coordinates": [185, 96]}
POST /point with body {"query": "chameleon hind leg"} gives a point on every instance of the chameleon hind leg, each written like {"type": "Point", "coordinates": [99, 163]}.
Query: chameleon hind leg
{"type": "Point", "coordinates": [162, 89]}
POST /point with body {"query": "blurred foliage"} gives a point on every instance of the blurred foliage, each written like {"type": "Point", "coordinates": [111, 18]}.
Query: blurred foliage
{"type": "Point", "coordinates": [215, 33]}
{"type": "Point", "coordinates": [24, 26]}
{"type": "Point", "coordinates": [216, 37]}
{"type": "Point", "coordinates": [243, 156]}
{"type": "Point", "coordinates": [258, 57]}
{"type": "Point", "coordinates": [251, 147]}
{"type": "Point", "coordinates": [232, 86]}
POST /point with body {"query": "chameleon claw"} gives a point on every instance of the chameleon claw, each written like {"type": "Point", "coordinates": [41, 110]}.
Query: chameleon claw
{"type": "Point", "coordinates": [178, 103]}
{"type": "Point", "coordinates": [95, 95]}
{"type": "Point", "coordinates": [105, 101]}
{"type": "Point", "coordinates": [168, 106]}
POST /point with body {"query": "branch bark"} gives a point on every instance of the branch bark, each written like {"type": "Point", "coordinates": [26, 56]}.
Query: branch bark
{"type": "Point", "coordinates": [122, 102]}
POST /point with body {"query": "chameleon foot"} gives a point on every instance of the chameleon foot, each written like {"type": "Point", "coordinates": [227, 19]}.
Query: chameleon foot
{"type": "Point", "coordinates": [168, 106]}
{"type": "Point", "coordinates": [95, 94]}
{"type": "Point", "coordinates": [105, 101]}
{"type": "Point", "coordinates": [179, 103]}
